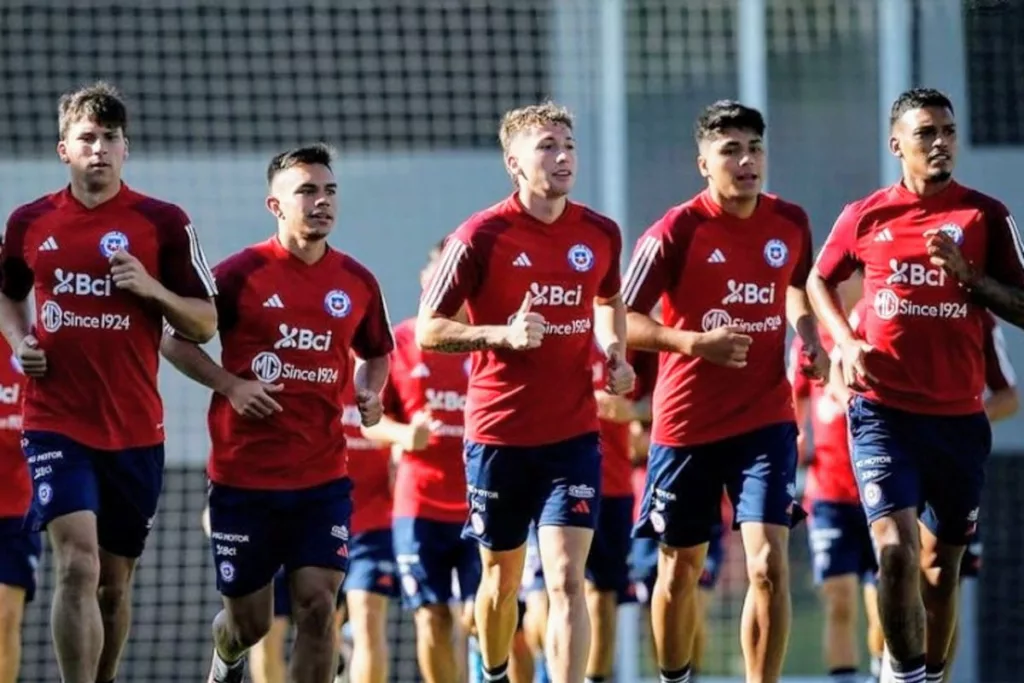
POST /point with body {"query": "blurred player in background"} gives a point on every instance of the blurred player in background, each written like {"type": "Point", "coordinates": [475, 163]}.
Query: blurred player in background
{"type": "Point", "coordinates": [841, 549]}
{"type": "Point", "coordinates": [539, 277]}
{"type": "Point", "coordinates": [372, 579]}
{"type": "Point", "coordinates": [106, 266]}
{"type": "Point", "coordinates": [424, 404]}
{"type": "Point", "coordinates": [19, 541]}
{"type": "Point", "coordinates": [729, 266]}
{"type": "Point", "coordinates": [934, 253]}
{"type": "Point", "coordinates": [290, 312]}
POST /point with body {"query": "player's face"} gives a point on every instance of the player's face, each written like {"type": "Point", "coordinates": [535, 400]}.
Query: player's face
{"type": "Point", "coordinates": [733, 162]}
{"type": "Point", "coordinates": [94, 153]}
{"type": "Point", "coordinates": [925, 141]}
{"type": "Point", "coordinates": [305, 198]}
{"type": "Point", "coordinates": [543, 158]}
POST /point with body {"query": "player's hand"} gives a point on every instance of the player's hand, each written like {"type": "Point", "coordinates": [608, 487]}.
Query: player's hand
{"type": "Point", "coordinates": [420, 429]}
{"type": "Point", "coordinates": [128, 274]}
{"type": "Point", "coordinates": [370, 407]}
{"type": "Point", "coordinates": [944, 252]}
{"type": "Point", "coordinates": [855, 372]}
{"type": "Point", "coordinates": [526, 330]}
{"type": "Point", "coordinates": [621, 377]}
{"type": "Point", "coordinates": [253, 399]}
{"type": "Point", "coordinates": [726, 346]}
{"type": "Point", "coordinates": [815, 362]}
{"type": "Point", "coordinates": [614, 408]}
{"type": "Point", "coordinates": [31, 358]}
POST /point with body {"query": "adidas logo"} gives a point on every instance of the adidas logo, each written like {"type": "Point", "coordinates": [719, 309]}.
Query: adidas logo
{"type": "Point", "coordinates": [273, 302]}
{"type": "Point", "coordinates": [884, 236]}
{"type": "Point", "coordinates": [716, 257]}
{"type": "Point", "coordinates": [421, 370]}
{"type": "Point", "coordinates": [522, 261]}
{"type": "Point", "coordinates": [49, 244]}
{"type": "Point", "coordinates": [581, 508]}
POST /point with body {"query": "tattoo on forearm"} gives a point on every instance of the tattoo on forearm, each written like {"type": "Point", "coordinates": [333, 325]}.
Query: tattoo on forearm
{"type": "Point", "coordinates": [1005, 301]}
{"type": "Point", "coordinates": [460, 346]}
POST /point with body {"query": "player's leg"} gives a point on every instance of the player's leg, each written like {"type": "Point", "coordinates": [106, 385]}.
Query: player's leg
{"type": "Point", "coordinates": [267, 659]}
{"type": "Point", "coordinates": [370, 585]}
{"type": "Point", "coordinates": [314, 594]}
{"type": "Point", "coordinates": [707, 583]}
{"type": "Point", "coordinates": [565, 532]}
{"type": "Point", "coordinates": [521, 665]}
{"type": "Point", "coordinates": [888, 478]}
{"type": "Point", "coordinates": [129, 489]}
{"type": "Point", "coordinates": [940, 574]}
{"type": "Point", "coordinates": [969, 569]}
{"type": "Point", "coordinates": [761, 483]}
{"type": "Point", "coordinates": [679, 510]}
{"type": "Point", "coordinates": [643, 562]}
{"type": "Point", "coordinates": [503, 499]}
{"type": "Point", "coordinates": [19, 555]}
{"type": "Point", "coordinates": [875, 637]}
{"type": "Point", "coordinates": [607, 582]}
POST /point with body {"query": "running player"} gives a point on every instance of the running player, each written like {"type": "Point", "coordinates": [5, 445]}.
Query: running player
{"type": "Point", "coordinates": [106, 266]}
{"type": "Point", "coordinates": [423, 415]}
{"type": "Point", "coordinates": [19, 542]}
{"type": "Point", "coordinates": [372, 580]}
{"type": "Point", "coordinates": [729, 266]}
{"type": "Point", "coordinates": [934, 253]}
{"type": "Point", "coordinates": [539, 276]}
{"type": "Point", "coordinates": [291, 310]}
{"type": "Point", "coordinates": [841, 549]}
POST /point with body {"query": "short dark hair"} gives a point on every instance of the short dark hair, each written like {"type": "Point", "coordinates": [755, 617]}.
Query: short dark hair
{"type": "Point", "coordinates": [723, 115]}
{"type": "Point", "coordinates": [100, 102]}
{"type": "Point", "coordinates": [918, 98]}
{"type": "Point", "coordinates": [319, 154]}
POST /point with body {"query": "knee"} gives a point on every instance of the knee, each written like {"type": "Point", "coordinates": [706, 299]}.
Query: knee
{"type": "Point", "coordinates": [840, 607]}
{"type": "Point", "coordinates": [78, 566]}
{"type": "Point", "coordinates": [499, 583]}
{"type": "Point", "coordinates": [314, 613]}
{"type": "Point", "coordinates": [565, 584]}
{"type": "Point", "coordinates": [683, 569]}
{"type": "Point", "coordinates": [768, 568]}
{"type": "Point", "coordinates": [434, 623]}
{"type": "Point", "coordinates": [251, 628]}
{"type": "Point", "coordinates": [897, 562]}
{"type": "Point", "coordinates": [12, 603]}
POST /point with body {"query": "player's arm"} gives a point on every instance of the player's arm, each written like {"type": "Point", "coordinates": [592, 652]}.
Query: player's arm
{"type": "Point", "coordinates": [800, 314]}
{"type": "Point", "coordinates": [801, 397]}
{"type": "Point", "coordinates": [16, 280]}
{"type": "Point", "coordinates": [1000, 378]}
{"type": "Point", "coordinates": [373, 343]}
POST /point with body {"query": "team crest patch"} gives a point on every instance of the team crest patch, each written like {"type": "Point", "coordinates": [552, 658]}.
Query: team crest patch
{"type": "Point", "coordinates": [337, 303]}
{"type": "Point", "coordinates": [112, 242]}
{"type": "Point", "coordinates": [954, 231]}
{"type": "Point", "coordinates": [581, 258]}
{"type": "Point", "coordinates": [776, 253]}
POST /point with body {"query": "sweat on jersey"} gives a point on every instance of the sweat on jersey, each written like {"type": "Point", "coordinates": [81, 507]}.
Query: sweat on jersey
{"type": "Point", "coordinates": [544, 395]}
{"type": "Point", "coordinates": [102, 344]}
{"type": "Point", "coordinates": [711, 269]}
{"type": "Point", "coordinates": [926, 332]}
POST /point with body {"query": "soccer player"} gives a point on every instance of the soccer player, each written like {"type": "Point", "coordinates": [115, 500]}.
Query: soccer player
{"type": "Point", "coordinates": [424, 403]}
{"type": "Point", "coordinates": [19, 542]}
{"type": "Point", "coordinates": [291, 309]}
{"type": "Point", "coordinates": [841, 549]}
{"type": "Point", "coordinates": [372, 580]}
{"type": "Point", "coordinates": [934, 254]}
{"type": "Point", "coordinates": [729, 266]}
{"type": "Point", "coordinates": [539, 277]}
{"type": "Point", "coordinates": [106, 266]}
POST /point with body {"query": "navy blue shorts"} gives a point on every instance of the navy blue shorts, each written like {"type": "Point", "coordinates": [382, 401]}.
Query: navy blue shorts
{"type": "Point", "coordinates": [840, 541]}
{"type": "Point", "coordinates": [428, 554]}
{"type": "Point", "coordinates": [283, 595]}
{"type": "Point", "coordinates": [20, 547]}
{"type": "Point", "coordinates": [121, 487]}
{"type": "Point", "coordinates": [644, 564]}
{"type": "Point", "coordinates": [935, 463]}
{"type": "Point", "coordinates": [608, 561]}
{"type": "Point", "coordinates": [371, 564]}
{"type": "Point", "coordinates": [683, 492]}
{"type": "Point", "coordinates": [253, 533]}
{"type": "Point", "coordinates": [510, 486]}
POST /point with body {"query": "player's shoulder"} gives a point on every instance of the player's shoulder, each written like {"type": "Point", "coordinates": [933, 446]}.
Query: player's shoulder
{"type": "Point", "coordinates": [787, 211]}
{"type": "Point", "coordinates": [985, 203]}
{"type": "Point", "coordinates": [486, 224]}
{"type": "Point", "coordinates": [597, 220]}
{"type": "Point", "coordinates": [242, 264]}
{"type": "Point", "coordinates": [680, 219]}
{"type": "Point", "coordinates": [863, 210]}
{"type": "Point", "coordinates": [27, 214]}
{"type": "Point", "coordinates": [162, 215]}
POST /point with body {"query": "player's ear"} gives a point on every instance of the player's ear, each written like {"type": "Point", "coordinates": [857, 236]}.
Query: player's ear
{"type": "Point", "coordinates": [894, 146]}
{"type": "Point", "coordinates": [702, 166]}
{"type": "Point", "coordinates": [62, 152]}
{"type": "Point", "coordinates": [274, 206]}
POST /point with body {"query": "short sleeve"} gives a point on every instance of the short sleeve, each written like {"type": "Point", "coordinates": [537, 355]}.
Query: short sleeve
{"type": "Point", "coordinates": [611, 284]}
{"type": "Point", "coordinates": [373, 337]}
{"type": "Point", "coordinates": [16, 277]}
{"type": "Point", "coordinates": [183, 266]}
{"type": "Point", "coordinates": [1005, 248]}
{"type": "Point", "coordinates": [457, 276]}
{"type": "Point", "coordinates": [652, 269]}
{"type": "Point", "coordinates": [999, 372]}
{"type": "Point", "coordinates": [838, 258]}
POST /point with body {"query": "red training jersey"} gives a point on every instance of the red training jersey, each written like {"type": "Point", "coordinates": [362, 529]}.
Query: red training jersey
{"type": "Point", "coordinates": [616, 442]}
{"type": "Point", "coordinates": [102, 344]}
{"type": "Point", "coordinates": [13, 467]}
{"type": "Point", "coordinates": [543, 395]}
{"type": "Point", "coordinates": [430, 484]}
{"type": "Point", "coordinates": [369, 467]}
{"type": "Point", "coordinates": [283, 321]}
{"type": "Point", "coordinates": [710, 270]}
{"type": "Point", "coordinates": [926, 331]}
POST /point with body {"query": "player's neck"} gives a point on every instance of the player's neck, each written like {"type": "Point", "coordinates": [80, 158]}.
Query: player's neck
{"type": "Point", "coordinates": [923, 187]}
{"type": "Point", "coordinates": [543, 209]}
{"type": "Point", "coordinates": [90, 199]}
{"type": "Point", "coordinates": [307, 251]}
{"type": "Point", "coordinates": [740, 207]}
